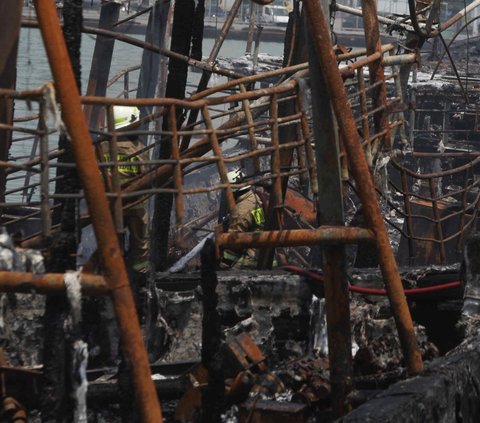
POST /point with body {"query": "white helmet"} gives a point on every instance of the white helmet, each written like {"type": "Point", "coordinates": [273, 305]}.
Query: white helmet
{"type": "Point", "coordinates": [125, 115]}
{"type": "Point", "coordinates": [236, 177]}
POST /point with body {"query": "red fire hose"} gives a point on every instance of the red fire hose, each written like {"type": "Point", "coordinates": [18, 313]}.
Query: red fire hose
{"type": "Point", "coordinates": [372, 291]}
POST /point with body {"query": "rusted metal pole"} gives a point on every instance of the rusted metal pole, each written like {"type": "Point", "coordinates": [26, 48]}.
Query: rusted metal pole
{"type": "Point", "coordinates": [50, 283]}
{"type": "Point", "coordinates": [45, 209]}
{"type": "Point", "coordinates": [217, 151]}
{"type": "Point", "coordinates": [334, 235]}
{"type": "Point", "coordinates": [115, 271]}
{"type": "Point", "coordinates": [366, 188]}
{"type": "Point", "coordinates": [400, 59]}
{"type": "Point", "coordinates": [454, 19]}
{"type": "Point", "coordinates": [376, 74]}
{"type": "Point", "coordinates": [178, 175]}
{"type": "Point", "coordinates": [274, 215]}
{"type": "Point", "coordinates": [330, 212]}
{"type": "Point", "coordinates": [364, 111]}
{"type": "Point", "coordinates": [357, 12]}
{"type": "Point", "coordinates": [408, 219]}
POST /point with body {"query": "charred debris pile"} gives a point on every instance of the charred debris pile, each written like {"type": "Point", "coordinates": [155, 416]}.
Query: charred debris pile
{"type": "Point", "coordinates": [362, 303]}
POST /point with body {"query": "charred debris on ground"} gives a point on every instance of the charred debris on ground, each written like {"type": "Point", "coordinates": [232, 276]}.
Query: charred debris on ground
{"type": "Point", "coordinates": [364, 301]}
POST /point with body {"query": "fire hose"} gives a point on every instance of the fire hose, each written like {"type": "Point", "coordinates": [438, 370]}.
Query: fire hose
{"type": "Point", "coordinates": [372, 291]}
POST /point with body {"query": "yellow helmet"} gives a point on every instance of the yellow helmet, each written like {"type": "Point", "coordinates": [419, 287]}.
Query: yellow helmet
{"type": "Point", "coordinates": [125, 115]}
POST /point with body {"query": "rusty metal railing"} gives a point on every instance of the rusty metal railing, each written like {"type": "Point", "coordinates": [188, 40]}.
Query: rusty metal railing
{"type": "Point", "coordinates": [437, 217]}
{"type": "Point", "coordinates": [233, 113]}
{"type": "Point", "coordinates": [436, 179]}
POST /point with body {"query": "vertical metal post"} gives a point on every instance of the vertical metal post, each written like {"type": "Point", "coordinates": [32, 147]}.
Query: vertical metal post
{"type": "Point", "coordinates": [307, 136]}
{"type": "Point", "coordinates": [44, 174]}
{"type": "Point", "coordinates": [278, 188]}
{"type": "Point", "coordinates": [251, 129]}
{"type": "Point", "coordinates": [282, 135]}
{"type": "Point", "coordinates": [302, 162]}
{"type": "Point", "coordinates": [411, 118]}
{"type": "Point", "coordinates": [115, 270]}
{"type": "Point", "coordinates": [330, 212]}
{"type": "Point", "coordinates": [178, 177]}
{"type": "Point", "coordinates": [26, 194]}
{"type": "Point", "coordinates": [436, 215]}
{"type": "Point", "coordinates": [366, 189]}
{"type": "Point", "coordinates": [364, 111]}
{"type": "Point", "coordinates": [408, 217]}
{"type": "Point", "coordinates": [376, 74]}
{"type": "Point", "coordinates": [276, 197]}
{"type": "Point", "coordinates": [446, 121]}
{"type": "Point", "coordinates": [251, 27]}
{"type": "Point", "coordinates": [126, 85]}
{"type": "Point", "coordinates": [399, 92]}
{"type": "Point", "coordinates": [217, 151]}
{"type": "Point", "coordinates": [461, 229]}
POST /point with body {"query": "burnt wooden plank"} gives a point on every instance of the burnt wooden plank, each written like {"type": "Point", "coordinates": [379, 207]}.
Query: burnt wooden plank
{"type": "Point", "coordinates": [448, 391]}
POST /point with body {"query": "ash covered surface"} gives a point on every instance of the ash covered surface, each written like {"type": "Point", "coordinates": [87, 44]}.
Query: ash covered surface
{"type": "Point", "coordinates": [274, 310]}
{"type": "Point", "coordinates": [272, 307]}
{"type": "Point", "coordinates": [21, 328]}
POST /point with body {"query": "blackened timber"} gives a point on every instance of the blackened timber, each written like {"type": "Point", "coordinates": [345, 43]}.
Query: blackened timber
{"type": "Point", "coordinates": [205, 78]}
{"type": "Point", "coordinates": [101, 61]}
{"type": "Point", "coordinates": [197, 30]}
{"type": "Point", "coordinates": [10, 17]}
{"type": "Point", "coordinates": [156, 28]}
{"type": "Point", "coordinates": [108, 245]}
{"type": "Point", "coordinates": [176, 84]}
{"type": "Point", "coordinates": [213, 394]}
{"type": "Point", "coordinates": [330, 212]}
{"type": "Point", "coordinates": [56, 403]}
{"type": "Point", "coordinates": [286, 134]}
{"type": "Point", "coordinates": [447, 391]}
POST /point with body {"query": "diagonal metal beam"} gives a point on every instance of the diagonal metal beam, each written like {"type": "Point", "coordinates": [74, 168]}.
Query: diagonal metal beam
{"type": "Point", "coordinates": [114, 265]}
{"type": "Point", "coordinates": [366, 189]}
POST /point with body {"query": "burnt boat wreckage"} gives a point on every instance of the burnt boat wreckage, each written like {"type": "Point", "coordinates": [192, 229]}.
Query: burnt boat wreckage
{"type": "Point", "coordinates": [368, 170]}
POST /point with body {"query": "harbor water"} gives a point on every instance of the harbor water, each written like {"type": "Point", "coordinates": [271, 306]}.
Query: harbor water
{"type": "Point", "coordinates": [33, 70]}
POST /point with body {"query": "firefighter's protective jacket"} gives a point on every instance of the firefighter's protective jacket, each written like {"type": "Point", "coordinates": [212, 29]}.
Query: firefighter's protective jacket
{"type": "Point", "coordinates": [247, 217]}
{"type": "Point", "coordinates": [136, 217]}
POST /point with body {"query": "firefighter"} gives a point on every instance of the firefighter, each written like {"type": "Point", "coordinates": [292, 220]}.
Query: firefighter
{"type": "Point", "coordinates": [135, 218]}
{"type": "Point", "coordinates": [248, 216]}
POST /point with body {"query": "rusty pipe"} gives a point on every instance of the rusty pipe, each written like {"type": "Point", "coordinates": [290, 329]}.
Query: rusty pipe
{"type": "Point", "coordinates": [400, 59]}
{"type": "Point", "coordinates": [50, 283]}
{"type": "Point", "coordinates": [294, 237]}
{"type": "Point", "coordinates": [358, 12]}
{"type": "Point", "coordinates": [376, 73]}
{"type": "Point", "coordinates": [115, 270]}
{"type": "Point", "coordinates": [461, 13]}
{"type": "Point", "coordinates": [366, 188]}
